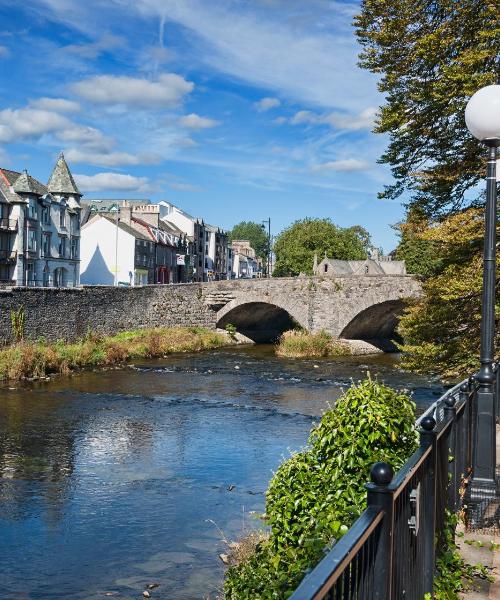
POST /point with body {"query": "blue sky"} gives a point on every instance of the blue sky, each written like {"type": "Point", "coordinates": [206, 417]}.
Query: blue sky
{"type": "Point", "coordinates": [231, 109]}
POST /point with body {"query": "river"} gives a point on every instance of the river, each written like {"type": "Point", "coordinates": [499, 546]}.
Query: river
{"type": "Point", "coordinates": [113, 480]}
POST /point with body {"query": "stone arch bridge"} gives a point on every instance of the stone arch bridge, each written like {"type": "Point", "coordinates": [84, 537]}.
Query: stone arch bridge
{"type": "Point", "coordinates": [366, 308]}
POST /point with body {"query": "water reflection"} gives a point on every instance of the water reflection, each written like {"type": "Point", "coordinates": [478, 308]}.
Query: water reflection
{"type": "Point", "coordinates": [110, 481]}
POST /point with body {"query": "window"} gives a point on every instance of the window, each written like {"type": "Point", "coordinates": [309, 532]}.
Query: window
{"type": "Point", "coordinates": [32, 208]}
{"type": "Point", "coordinates": [31, 239]}
{"type": "Point", "coordinates": [46, 244]}
{"type": "Point", "coordinates": [326, 268]}
{"type": "Point", "coordinates": [46, 277]}
{"type": "Point", "coordinates": [62, 246]}
{"type": "Point", "coordinates": [4, 211]}
{"type": "Point", "coordinates": [62, 217]}
{"type": "Point", "coordinates": [30, 273]}
{"type": "Point", "coordinates": [74, 248]}
{"type": "Point", "coordinates": [46, 215]}
{"type": "Point", "coordinates": [4, 242]}
{"type": "Point", "coordinates": [75, 220]}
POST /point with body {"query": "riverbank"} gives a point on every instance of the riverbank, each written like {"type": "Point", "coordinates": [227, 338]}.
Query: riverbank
{"type": "Point", "coordinates": [40, 359]}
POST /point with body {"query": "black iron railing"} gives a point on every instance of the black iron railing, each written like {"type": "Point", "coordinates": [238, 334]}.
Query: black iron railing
{"type": "Point", "coordinates": [389, 553]}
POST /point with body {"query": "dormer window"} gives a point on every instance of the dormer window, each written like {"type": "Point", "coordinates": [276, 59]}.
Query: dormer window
{"type": "Point", "coordinates": [62, 217]}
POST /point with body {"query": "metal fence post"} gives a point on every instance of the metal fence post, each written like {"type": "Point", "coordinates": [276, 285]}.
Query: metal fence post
{"type": "Point", "coordinates": [450, 413]}
{"type": "Point", "coordinates": [381, 496]}
{"type": "Point", "coordinates": [428, 438]}
{"type": "Point", "coordinates": [497, 392]}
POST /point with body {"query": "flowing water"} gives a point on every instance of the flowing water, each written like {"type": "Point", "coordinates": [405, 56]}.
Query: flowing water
{"type": "Point", "coordinates": [111, 481]}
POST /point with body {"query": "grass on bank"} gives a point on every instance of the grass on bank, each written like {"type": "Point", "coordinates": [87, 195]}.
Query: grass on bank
{"type": "Point", "coordinates": [27, 359]}
{"type": "Point", "coordinates": [302, 344]}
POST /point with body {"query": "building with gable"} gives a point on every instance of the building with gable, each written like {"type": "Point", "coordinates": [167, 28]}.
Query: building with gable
{"type": "Point", "coordinates": [375, 264]}
{"type": "Point", "coordinates": [39, 229]}
{"type": "Point", "coordinates": [125, 242]}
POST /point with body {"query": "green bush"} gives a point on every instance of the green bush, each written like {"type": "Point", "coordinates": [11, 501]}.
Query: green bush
{"type": "Point", "coordinates": [318, 493]}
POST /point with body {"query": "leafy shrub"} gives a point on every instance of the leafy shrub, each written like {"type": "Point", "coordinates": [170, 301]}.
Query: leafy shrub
{"type": "Point", "coordinates": [316, 495]}
{"type": "Point", "coordinates": [231, 330]}
{"type": "Point", "coordinates": [302, 344]}
{"type": "Point", "coordinates": [17, 321]}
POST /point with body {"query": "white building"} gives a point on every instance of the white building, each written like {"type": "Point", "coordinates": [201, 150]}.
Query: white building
{"type": "Point", "coordinates": [39, 228]}
{"type": "Point", "coordinates": [245, 263]}
{"type": "Point", "coordinates": [112, 252]}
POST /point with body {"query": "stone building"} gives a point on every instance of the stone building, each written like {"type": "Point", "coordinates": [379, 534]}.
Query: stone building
{"type": "Point", "coordinates": [39, 229]}
{"type": "Point", "coordinates": [376, 264]}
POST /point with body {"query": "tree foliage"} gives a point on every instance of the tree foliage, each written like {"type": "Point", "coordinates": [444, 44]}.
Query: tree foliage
{"type": "Point", "coordinates": [296, 246]}
{"type": "Point", "coordinates": [432, 56]}
{"type": "Point", "coordinates": [421, 255]}
{"type": "Point", "coordinates": [255, 234]}
{"type": "Point", "coordinates": [442, 329]}
{"type": "Point", "coordinates": [318, 493]}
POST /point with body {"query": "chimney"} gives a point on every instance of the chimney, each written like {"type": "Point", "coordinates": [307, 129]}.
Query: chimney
{"type": "Point", "coordinates": [126, 214]}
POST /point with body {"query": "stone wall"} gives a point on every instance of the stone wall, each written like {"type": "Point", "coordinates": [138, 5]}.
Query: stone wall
{"type": "Point", "coordinates": [69, 313]}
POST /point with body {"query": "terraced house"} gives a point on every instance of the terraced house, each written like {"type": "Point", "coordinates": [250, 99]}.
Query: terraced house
{"type": "Point", "coordinates": [39, 229]}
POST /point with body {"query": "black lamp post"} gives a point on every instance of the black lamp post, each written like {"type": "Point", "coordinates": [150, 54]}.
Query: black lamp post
{"type": "Point", "coordinates": [268, 223]}
{"type": "Point", "coordinates": [482, 116]}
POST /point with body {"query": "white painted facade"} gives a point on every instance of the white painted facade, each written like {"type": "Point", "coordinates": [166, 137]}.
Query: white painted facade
{"type": "Point", "coordinates": [99, 258]}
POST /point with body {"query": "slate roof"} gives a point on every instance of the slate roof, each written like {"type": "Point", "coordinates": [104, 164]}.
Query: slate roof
{"type": "Point", "coordinates": [8, 180]}
{"type": "Point", "coordinates": [127, 228]}
{"type": "Point", "coordinates": [61, 181]}
{"type": "Point", "coordinates": [29, 185]}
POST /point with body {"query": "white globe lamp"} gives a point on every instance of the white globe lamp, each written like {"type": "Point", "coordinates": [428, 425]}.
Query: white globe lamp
{"type": "Point", "coordinates": [482, 114]}
{"type": "Point", "coordinates": [482, 117]}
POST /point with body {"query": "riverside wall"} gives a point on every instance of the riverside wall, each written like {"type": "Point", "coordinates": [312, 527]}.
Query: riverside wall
{"type": "Point", "coordinates": [68, 314]}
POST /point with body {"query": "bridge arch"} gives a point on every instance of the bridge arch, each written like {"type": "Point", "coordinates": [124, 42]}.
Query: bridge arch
{"type": "Point", "coordinates": [261, 321]}
{"type": "Point", "coordinates": [376, 324]}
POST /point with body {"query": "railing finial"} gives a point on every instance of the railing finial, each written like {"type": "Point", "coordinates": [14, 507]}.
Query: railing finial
{"type": "Point", "coordinates": [381, 473]}
{"type": "Point", "coordinates": [428, 423]}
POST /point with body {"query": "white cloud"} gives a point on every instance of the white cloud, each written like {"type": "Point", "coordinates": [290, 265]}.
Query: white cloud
{"type": "Point", "coordinates": [348, 164]}
{"type": "Point", "coordinates": [4, 52]}
{"type": "Point", "coordinates": [266, 104]}
{"type": "Point", "coordinates": [60, 105]}
{"type": "Point", "coordinates": [90, 137]}
{"type": "Point", "coordinates": [363, 120]}
{"type": "Point", "coordinates": [298, 58]}
{"type": "Point", "coordinates": [303, 116]}
{"type": "Point", "coordinates": [117, 182]}
{"type": "Point", "coordinates": [109, 159]}
{"type": "Point", "coordinates": [94, 49]}
{"type": "Point", "coordinates": [167, 91]}
{"type": "Point", "coordinates": [29, 123]}
{"type": "Point", "coordinates": [194, 121]}
{"type": "Point", "coordinates": [184, 187]}
{"type": "Point", "coordinates": [344, 121]}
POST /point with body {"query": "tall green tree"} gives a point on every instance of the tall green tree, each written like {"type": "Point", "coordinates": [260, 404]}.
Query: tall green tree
{"type": "Point", "coordinates": [422, 256]}
{"type": "Point", "coordinates": [296, 246]}
{"type": "Point", "coordinates": [431, 56]}
{"type": "Point", "coordinates": [255, 234]}
{"type": "Point", "coordinates": [442, 329]}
